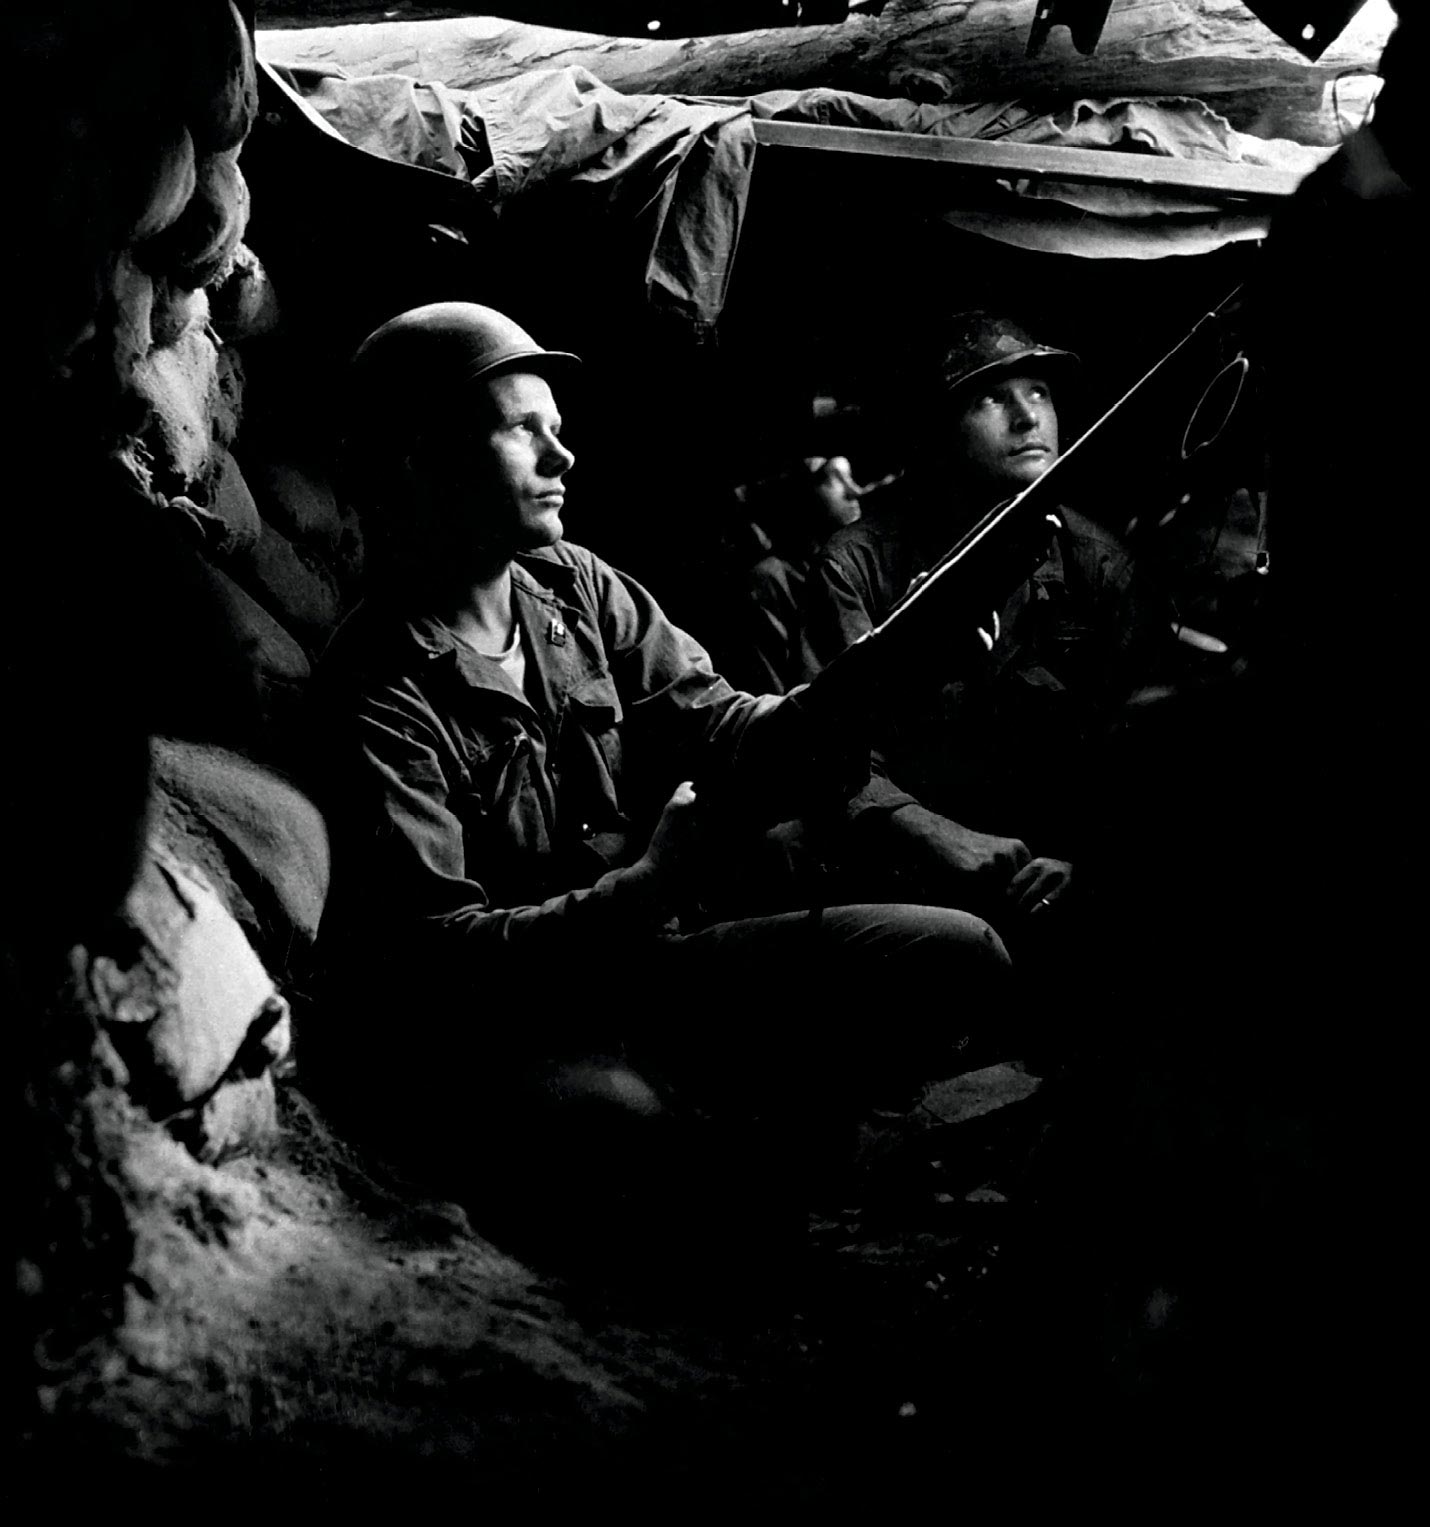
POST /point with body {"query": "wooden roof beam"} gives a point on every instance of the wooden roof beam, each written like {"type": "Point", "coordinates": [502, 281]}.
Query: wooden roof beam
{"type": "Point", "coordinates": [1088, 166]}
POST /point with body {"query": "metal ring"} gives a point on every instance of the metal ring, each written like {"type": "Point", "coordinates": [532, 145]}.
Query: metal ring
{"type": "Point", "coordinates": [1240, 365]}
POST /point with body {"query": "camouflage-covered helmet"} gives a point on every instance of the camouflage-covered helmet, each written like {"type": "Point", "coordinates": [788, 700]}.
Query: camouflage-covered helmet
{"type": "Point", "coordinates": [978, 345]}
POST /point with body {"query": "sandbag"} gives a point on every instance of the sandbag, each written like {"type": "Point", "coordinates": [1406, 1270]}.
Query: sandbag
{"type": "Point", "coordinates": [244, 304]}
{"type": "Point", "coordinates": [293, 583]}
{"type": "Point", "coordinates": [260, 841]}
{"type": "Point", "coordinates": [179, 382]}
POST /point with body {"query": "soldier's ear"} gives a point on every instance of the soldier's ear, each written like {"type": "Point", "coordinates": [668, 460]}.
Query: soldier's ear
{"type": "Point", "coordinates": [417, 462]}
{"type": "Point", "coordinates": [411, 483]}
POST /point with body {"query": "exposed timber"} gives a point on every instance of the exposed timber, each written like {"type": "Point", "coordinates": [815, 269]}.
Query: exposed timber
{"type": "Point", "coordinates": [928, 50]}
{"type": "Point", "coordinates": [1197, 177]}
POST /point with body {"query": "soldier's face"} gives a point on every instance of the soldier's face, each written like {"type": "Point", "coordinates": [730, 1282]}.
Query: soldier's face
{"type": "Point", "coordinates": [1007, 434]}
{"type": "Point", "coordinates": [518, 462]}
{"type": "Point", "coordinates": [837, 495]}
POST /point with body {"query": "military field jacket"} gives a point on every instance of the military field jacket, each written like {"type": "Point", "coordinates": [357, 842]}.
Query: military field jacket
{"type": "Point", "coordinates": [463, 805]}
{"type": "Point", "coordinates": [997, 748]}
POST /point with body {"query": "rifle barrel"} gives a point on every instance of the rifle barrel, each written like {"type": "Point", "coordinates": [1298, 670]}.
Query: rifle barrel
{"type": "Point", "coordinates": [1001, 514]}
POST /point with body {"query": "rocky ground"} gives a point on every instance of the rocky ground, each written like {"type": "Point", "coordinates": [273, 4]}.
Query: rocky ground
{"type": "Point", "coordinates": [299, 1315]}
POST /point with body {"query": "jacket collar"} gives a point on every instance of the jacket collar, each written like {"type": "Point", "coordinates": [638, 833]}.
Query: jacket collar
{"type": "Point", "coordinates": [543, 600]}
{"type": "Point", "coordinates": [541, 572]}
{"type": "Point", "coordinates": [538, 585]}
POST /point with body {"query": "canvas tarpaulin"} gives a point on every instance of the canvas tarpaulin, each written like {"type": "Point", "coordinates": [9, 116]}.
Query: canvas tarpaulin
{"type": "Point", "coordinates": [686, 162]}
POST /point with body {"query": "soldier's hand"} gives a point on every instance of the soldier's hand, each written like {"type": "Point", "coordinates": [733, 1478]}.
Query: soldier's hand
{"type": "Point", "coordinates": [653, 885]}
{"type": "Point", "coordinates": [677, 833]}
{"type": "Point", "coordinates": [1040, 885]}
{"type": "Point", "coordinates": [988, 634]}
{"type": "Point", "coordinates": [984, 638]}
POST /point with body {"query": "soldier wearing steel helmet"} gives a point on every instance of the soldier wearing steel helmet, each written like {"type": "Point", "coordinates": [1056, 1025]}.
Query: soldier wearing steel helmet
{"type": "Point", "coordinates": [512, 727]}
{"type": "Point", "coordinates": [975, 799]}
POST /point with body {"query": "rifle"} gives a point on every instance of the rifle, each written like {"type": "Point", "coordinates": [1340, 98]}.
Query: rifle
{"type": "Point", "coordinates": [983, 567]}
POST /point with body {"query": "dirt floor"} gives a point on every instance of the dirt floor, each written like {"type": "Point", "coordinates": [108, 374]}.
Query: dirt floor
{"type": "Point", "coordinates": [300, 1316]}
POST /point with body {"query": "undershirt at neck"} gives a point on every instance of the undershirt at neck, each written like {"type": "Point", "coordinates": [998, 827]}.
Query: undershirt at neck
{"type": "Point", "coordinates": [512, 658]}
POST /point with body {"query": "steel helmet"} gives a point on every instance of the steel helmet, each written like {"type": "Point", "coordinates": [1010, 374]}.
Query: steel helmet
{"type": "Point", "coordinates": [412, 376]}
{"type": "Point", "coordinates": [443, 345]}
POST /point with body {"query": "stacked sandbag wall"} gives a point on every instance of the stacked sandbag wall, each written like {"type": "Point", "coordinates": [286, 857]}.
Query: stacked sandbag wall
{"type": "Point", "coordinates": [174, 585]}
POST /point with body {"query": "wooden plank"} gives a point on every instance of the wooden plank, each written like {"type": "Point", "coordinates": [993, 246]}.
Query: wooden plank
{"type": "Point", "coordinates": [1087, 166]}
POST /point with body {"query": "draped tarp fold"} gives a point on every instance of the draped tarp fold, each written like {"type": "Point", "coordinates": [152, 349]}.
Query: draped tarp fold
{"type": "Point", "coordinates": [688, 161]}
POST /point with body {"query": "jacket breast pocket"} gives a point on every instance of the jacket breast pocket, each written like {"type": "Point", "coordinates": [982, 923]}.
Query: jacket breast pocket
{"type": "Point", "coordinates": [491, 766]}
{"type": "Point", "coordinates": [594, 716]}
{"type": "Point", "coordinates": [504, 810]}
